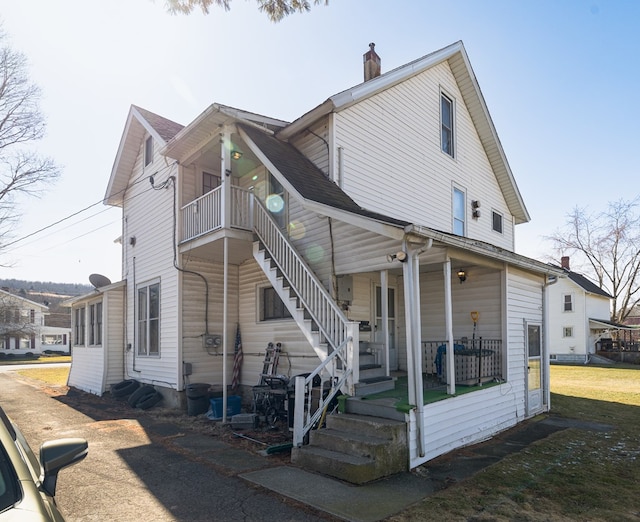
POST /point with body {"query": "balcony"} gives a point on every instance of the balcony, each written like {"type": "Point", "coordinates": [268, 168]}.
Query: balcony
{"type": "Point", "coordinates": [206, 214]}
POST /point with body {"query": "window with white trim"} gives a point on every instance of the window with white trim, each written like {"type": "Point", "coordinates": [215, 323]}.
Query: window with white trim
{"type": "Point", "coordinates": [271, 306]}
{"type": "Point", "coordinates": [496, 221]}
{"type": "Point", "coordinates": [148, 150]}
{"type": "Point", "coordinates": [79, 326]}
{"type": "Point", "coordinates": [567, 303]}
{"type": "Point", "coordinates": [446, 124]}
{"type": "Point", "coordinates": [95, 324]}
{"type": "Point", "coordinates": [567, 331]}
{"type": "Point", "coordinates": [148, 318]}
{"type": "Point", "coordinates": [459, 213]}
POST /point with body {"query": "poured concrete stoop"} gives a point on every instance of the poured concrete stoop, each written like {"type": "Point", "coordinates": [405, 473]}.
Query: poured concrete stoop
{"type": "Point", "coordinates": [355, 448]}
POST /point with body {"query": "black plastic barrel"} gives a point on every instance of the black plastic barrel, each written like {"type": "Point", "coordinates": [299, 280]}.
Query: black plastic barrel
{"type": "Point", "coordinates": [197, 398]}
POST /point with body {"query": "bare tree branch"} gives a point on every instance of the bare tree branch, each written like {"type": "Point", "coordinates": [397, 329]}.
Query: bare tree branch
{"type": "Point", "coordinates": [276, 10]}
{"type": "Point", "coordinates": [22, 171]}
{"type": "Point", "coordinates": [607, 245]}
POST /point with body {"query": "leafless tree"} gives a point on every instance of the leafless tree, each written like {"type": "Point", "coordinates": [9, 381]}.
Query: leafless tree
{"type": "Point", "coordinates": [22, 171]}
{"type": "Point", "coordinates": [276, 10]}
{"type": "Point", "coordinates": [607, 246]}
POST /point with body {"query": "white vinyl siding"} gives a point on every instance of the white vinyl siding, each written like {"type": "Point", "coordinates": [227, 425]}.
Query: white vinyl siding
{"type": "Point", "coordinates": [148, 217]}
{"type": "Point", "coordinates": [415, 185]}
{"type": "Point", "coordinates": [95, 368]}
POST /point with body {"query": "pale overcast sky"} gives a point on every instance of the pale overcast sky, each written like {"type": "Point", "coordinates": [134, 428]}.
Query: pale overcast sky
{"type": "Point", "coordinates": [560, 79]}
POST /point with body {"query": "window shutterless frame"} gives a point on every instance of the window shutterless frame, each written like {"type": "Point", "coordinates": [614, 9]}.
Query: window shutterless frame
{"type": "Point", "coordinates": [458, 207]}
{"type": "Point", "coordinates": [148, 319]}
{"type": "Point", "coordinates": [447, 119]}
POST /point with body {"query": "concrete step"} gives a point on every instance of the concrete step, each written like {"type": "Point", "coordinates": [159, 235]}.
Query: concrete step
{"type": "Point", "coordinates": [384, 408]}
{"type": "Point", "coordinates": [355, 448]}
{"type": "Point", "coordinates": [354, 469]}
{"type": "Point", "coordinates": [369, 386]}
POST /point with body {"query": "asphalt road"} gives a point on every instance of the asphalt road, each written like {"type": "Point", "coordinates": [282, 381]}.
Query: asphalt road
{"type": "Point", "coordinates": [134, 474]}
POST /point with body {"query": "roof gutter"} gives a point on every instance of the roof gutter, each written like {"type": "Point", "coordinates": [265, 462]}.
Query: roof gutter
{"type": "Point", "coordinates": [485, 249]}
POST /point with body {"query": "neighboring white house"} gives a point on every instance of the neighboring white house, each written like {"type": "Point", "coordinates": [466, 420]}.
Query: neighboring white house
{"type": "Point", "coordinates": [381, 221]}
{"type": "Point", "coordinates": [22, 328]}
{"type": "Point", "coordinates": [579, 317]}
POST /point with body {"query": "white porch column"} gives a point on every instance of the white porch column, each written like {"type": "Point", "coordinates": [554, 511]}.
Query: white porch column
{"type": "Point", "coordinates": [411, 274]}
{"type": "Point", "coordinates": [225, 215]}
{"type": "Point", "coordinates": [225, 172]}
{"type": "Point", "coordinates": [448, 321]}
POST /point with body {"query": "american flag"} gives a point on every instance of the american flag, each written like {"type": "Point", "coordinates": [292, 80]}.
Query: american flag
{"type": "Point", "coordinates": [237, 361]}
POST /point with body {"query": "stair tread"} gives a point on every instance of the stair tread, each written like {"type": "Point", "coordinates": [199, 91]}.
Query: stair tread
{"type": "Point", "coordinates": [371, 419]}
{"type": "Point", "coordinates": [370, 366]}
{"type": "Point", "coordinates": [358, 436]}
{"type": "Point", "coordinates": [337, 455]}
{"type": "Point", "coordinates": [372, 380]}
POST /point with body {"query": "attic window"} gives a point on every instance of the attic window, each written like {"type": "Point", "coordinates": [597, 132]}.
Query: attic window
{"type": "Point", "coordinates": [148, 151]}
{"type": "Point", "coordinates": [496, 220]}
{"type": "Point", "coordinates": [446, 124]}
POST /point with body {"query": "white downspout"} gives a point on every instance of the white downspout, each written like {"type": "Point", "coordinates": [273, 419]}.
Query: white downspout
{"type": "Point", "coordinates": [417, 353]}
{"type": "Point", "coordinates": [448, 321]}
{"type": "Point", "coordinates": [544, 356]}
{"type": "Point", "coordinates": [384, 303]}
{"type": "Point", "coordinates": [407, 274]}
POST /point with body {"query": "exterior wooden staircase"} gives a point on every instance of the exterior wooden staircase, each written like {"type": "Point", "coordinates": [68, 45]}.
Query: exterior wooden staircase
{"type": "Point", "coordinates": [354, 447]}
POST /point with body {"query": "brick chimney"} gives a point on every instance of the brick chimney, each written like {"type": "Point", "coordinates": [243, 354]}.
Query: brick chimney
{"type": "Point", "coordinates": [371, 63]}
{"type": "Point", "coordinates": [564, 262]}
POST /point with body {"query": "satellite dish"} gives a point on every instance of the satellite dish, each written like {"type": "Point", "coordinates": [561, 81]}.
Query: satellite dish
{"type": "Point", "coordinates": [98, 280]}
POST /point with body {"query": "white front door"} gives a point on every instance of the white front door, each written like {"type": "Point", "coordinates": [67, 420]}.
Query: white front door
{"type": "Point", "coordinates": [534, 368]}
{"type": "Point", "coordinates": [378, 335]}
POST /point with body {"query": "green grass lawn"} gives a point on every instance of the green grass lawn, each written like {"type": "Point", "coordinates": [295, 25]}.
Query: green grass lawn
{"type": "Point", "coordinates": [574, 474]}
{"type": "Point", "coordinates": [43, 359]}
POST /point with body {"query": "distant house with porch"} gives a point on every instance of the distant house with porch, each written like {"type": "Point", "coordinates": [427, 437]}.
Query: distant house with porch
{"type": "Point", "coordinates": [579, 317]}
{"type": "Point", "coordinates": [372, 237]}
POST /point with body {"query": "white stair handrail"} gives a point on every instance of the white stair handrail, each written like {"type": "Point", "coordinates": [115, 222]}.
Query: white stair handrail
{"type": "Point", "coordinates": [324, 311]}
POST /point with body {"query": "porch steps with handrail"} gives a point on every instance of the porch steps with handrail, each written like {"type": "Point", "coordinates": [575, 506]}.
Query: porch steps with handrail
{"type": "Point", "coordinates": [372, 378]}
{"type": "Point", "coordinates": [355, 448]}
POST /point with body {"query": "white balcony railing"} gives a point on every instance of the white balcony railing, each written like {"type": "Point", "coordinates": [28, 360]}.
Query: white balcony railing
{"type": "Point", "coordinates": [204, 214]}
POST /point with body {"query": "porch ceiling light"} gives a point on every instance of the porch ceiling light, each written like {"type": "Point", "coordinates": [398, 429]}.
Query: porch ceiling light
{"type": "Point", "coordinates": [462, 275]}
{"type": "Point", "coordinates": [236, 154]}
{"type": "Point", "coordinates": [400, 256]}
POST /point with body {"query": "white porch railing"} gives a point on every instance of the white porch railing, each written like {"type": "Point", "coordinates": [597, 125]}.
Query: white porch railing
{"type": "Point", "coordinates": [204, 214]}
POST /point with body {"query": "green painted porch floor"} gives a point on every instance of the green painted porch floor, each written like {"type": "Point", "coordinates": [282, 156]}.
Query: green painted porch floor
{"type": "Point", "coordinates": [401, 393]}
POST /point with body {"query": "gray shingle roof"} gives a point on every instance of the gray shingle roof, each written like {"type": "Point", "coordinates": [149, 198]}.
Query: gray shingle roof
{"type": "Point", "coordinates": [587, 285]}
{"type": "Point", "coordinates": [167, 129]}
{"type": "Point", "coordinates": [307, 179]}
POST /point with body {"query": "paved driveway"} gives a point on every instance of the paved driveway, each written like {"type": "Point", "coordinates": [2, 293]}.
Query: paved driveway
{"type": "Point", "coordinates": [138, 470]}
